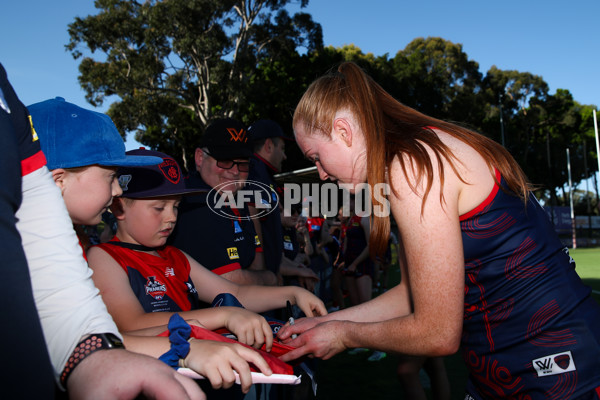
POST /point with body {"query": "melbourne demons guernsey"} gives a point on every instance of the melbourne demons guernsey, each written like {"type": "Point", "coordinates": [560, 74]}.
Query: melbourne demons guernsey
{"type": "Point", "coordinates": [531, 329]}
{"type": "Point", "coordinates": [161, 283]}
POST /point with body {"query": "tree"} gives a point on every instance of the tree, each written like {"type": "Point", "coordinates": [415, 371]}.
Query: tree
{"type": "Point", "coordinates": [436, 77]}
{"type": "Point", "coordinates": [176, 64]}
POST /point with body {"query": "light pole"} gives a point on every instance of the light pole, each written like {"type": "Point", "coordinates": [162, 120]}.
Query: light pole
{"type": "Point", "coordinates": [573, 225]}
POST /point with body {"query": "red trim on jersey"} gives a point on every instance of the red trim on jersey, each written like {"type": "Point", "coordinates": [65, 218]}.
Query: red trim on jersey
{"type": "Point", "coordinates": [486, 202]}
{"type": "Point", "coordinates": [268, 164]}
{"type": "Point", "coordinates": [259, 250]}
{"type": "Point", "coordinates": [227, 268]}
{"type": "Point", "coordinates": [33, 163]}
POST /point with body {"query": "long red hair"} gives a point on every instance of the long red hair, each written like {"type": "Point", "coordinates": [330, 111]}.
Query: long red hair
{"type": "Point", "coordinates": [393, 129]}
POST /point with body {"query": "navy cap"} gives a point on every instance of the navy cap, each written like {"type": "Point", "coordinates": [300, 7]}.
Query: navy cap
{"type": "Point", "coordinates": [159, 180]}
{"type": "Point", "coordinates": [226, 139]}
{"type": "Point", "coordinates": [72, 136]}
{"type": "Point", "coordinates": [266, 128]}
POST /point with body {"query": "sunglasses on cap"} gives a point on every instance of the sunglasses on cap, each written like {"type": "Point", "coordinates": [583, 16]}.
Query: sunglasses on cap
{"type": "Point", "coordinates": [243, 166]}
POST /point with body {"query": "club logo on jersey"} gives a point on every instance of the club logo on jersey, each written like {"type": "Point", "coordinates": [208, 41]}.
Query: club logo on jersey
{"type": "Point", "coordinates": [232, 252]}
{"type": "Point", "coordinates": [155, 288]}
{"type": "Point", "coordinates": [554, 364]}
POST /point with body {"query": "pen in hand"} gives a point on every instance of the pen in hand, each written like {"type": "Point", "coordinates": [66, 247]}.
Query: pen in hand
{"type": "Point", "coordinates": [291, 316]}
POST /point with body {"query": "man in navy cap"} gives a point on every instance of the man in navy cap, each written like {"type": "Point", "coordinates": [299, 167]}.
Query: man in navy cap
{"type": "Point", "coordinates": [269, 153]}
{"type": "Point", "coordinates": [215, 232]}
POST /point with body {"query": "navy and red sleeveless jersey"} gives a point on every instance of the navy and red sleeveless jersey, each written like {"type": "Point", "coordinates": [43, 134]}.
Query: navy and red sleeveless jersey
{"type": "Point", "coordinates": [161, 283]}
{"type": "Point", "coordinates": [531, 329]}
{"type": "Point", "coordinates": [356, 241]}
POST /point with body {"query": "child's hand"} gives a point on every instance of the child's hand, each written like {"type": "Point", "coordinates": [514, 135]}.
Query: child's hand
{"type": "Point", "coordinates": [310, 304]}
{"type": "Point", "coordinates": [217, 361]}
{"type": "Point", "coordinates": [249, 327]}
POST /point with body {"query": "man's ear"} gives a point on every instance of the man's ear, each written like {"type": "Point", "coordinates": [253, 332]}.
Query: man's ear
{"type": "Point", "coordinates": [269, 145]}
{"type": "Point", "coordinates": [59, 176]}
{"type": "Point", "coordinates": [343, 130]}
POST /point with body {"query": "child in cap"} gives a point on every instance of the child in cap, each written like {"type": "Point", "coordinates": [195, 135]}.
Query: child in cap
{"type": "Point", "coordinates": [144, 281]}
{"type": "Point", "coordinates": [83, 149]}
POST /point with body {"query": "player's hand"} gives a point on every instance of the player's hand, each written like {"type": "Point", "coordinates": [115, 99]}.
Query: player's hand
{"type": "Point", "coordinates": [217, 361]}
{"type": "Point", "coordinates": [300, 325]}
{"type": "Point", "coordinates": [122, 375]}
{"type": "Point", "coordinates": [310, 304]}
{"type": "Point", "coordinates": [249, 327]}
{"type": "Point", "coordinates": [322, 341]}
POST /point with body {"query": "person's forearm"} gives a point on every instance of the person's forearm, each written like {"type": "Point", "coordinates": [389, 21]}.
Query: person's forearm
{"type": "Point", "coordinates": [391, 304]}
{"type": "Point", "coordinates": [288, 267]}
{"type": "Point", "coordinates": [264, 298]}
{"type": "Point", "coordinates": [251, 277]}
{"type": "Point", "coordinates": [210, 318]}
{"type": "Point", "coordinates": [406, 335]}
{"type": "Point", "coordinates": [153, 346]}
{"type": "Point", "coordinates": [68, 303]}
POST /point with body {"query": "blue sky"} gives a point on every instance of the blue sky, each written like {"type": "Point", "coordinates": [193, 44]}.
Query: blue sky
{"type": "Point", "coordinates": [556, 39]}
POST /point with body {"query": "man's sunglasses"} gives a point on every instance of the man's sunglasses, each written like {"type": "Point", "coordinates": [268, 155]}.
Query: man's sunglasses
{"type": "Point", "coordinates": [243, 166]}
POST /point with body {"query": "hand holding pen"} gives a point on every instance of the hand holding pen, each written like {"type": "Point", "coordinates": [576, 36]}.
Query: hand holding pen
{"type": "Point", "coordinates": [291, 316]}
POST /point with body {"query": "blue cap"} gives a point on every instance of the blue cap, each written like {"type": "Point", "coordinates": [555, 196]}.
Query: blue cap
{"type": "Point", "coordinates": [72, 136]}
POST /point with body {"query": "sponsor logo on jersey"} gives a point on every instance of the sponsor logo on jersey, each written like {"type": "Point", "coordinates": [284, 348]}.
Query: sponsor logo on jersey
{"type": "Point", "coordinates": [554, 364]}
{"type": "Point", "coordinates": [34, 135]}
{"type": "Point", "coordinates": [155, 288]}
{"type": "Point", "coordinates": [256, 240]}
{"type": "Point", "coordinates": [236, 227]}
{"type": "Point", "coordinates": [169, 271]}
{"type": "Point", "coordinates": [191, 288]}
{"type": "Point", "coordinates": [232, 252]}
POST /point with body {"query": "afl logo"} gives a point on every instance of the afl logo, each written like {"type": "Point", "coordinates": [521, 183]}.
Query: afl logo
{"type": "Point", "coordinates": [223, 202]}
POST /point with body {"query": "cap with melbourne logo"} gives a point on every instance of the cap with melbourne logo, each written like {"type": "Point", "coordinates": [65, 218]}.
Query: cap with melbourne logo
{"type": "Point", "coordinates": [226, 139]}
{"type": "Point", "coordinates": [72, 136]}
{"type": "Point", "coordinates": [159, 180]}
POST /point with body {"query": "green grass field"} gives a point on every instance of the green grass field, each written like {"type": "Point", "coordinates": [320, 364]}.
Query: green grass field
{"type": "Point", "coordinates": [353, 377]}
